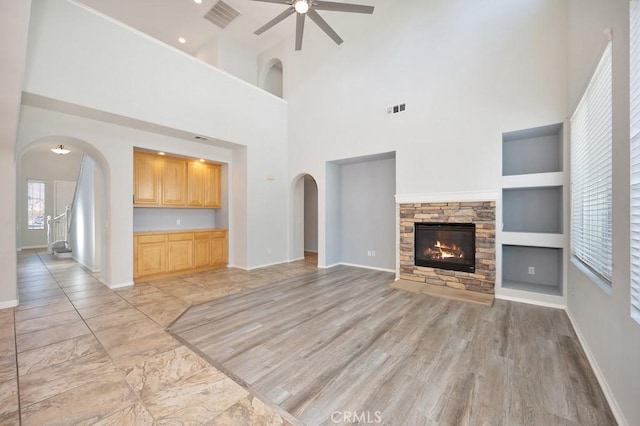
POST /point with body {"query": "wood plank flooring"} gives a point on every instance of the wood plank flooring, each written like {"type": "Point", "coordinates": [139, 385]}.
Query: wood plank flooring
{"type": "Point", "coordinates": [340, 346]}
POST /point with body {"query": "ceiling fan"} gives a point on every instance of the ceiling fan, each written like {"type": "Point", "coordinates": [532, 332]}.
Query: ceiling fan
{"type": "Point", "coordinates": [310, 7]}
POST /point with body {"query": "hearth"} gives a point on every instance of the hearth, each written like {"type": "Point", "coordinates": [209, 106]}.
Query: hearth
{"type": "Point", "coordinates": [446, 246]}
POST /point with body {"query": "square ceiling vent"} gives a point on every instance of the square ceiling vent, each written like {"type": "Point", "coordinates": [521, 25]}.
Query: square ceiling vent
{"type": "Point", "coordinates": [221, 14]}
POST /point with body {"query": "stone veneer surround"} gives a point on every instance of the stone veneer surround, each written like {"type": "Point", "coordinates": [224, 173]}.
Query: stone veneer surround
{"type": "Point", "coordinates": [482, 213]}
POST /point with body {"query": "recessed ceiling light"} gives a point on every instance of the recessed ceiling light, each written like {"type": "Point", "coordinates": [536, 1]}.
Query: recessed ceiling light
{"type": "Point", "coordinates": [182, 40]}
{"type": "Point", "coordinates": [202, 160]}
{"type": "Point", "coordinates": [198, 1]}
{"type": "Point", "coordinates": [161, 153]}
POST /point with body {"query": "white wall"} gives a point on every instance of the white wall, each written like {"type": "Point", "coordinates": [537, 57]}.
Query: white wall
{"type": "Point", "coordinates": [85, 63]}
{"type": "Point", "coordinates": [14, 19]}
{"type": "Point", "coordinates": [85, 226]}
{"type": "Point", "coordinates": [603, 320]}
{"type": "Point", "coordinates": [467, 71]}
{"type": "Point", "coordinates": [368, 213]}
{"type": "Point", "coordinates": [48, 167]}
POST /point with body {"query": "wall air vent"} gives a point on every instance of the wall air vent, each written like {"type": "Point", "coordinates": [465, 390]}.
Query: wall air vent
{"type": "Point", "coordinates": [221, 14]}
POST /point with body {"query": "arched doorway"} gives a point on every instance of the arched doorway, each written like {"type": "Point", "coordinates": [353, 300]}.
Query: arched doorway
{"type": "Point", "coordinates": [272, 78]}
{"type": "Point", "coordinates": [87, 167]}
{"type": "Point", "coordinates": [305, 219]}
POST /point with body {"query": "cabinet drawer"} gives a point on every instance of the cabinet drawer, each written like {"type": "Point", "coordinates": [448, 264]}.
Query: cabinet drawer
{"type": "Point", "coordinates": [146, 239]}
{"type": "Point", "coordinates": [218, 234]}
{"type": "Point", "coordinates": [181, 237]}
{"type": "Point", "coordinates": [202, 235]}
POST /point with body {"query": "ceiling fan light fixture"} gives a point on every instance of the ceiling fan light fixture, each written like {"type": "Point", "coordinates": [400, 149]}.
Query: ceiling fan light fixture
{"type": "Point", "coordinates": [301, 6]}
{"type": "Point", "coordinates": [60, 150]}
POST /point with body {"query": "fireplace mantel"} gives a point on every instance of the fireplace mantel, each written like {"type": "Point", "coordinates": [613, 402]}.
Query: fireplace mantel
{"type": "Point", "coordinates": [447, 197]}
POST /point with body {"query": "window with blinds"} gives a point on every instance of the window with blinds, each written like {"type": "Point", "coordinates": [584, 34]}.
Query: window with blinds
{"type": "Point", "coordinates": [591, 173]}
{"type": "Point", "coordinates": [635, 158]}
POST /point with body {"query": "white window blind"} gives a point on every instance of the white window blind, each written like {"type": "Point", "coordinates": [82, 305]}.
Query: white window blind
{"type": "Point", "coordinates": [635, 157]}
{"type": "Point", "coordinates": [591, 173]}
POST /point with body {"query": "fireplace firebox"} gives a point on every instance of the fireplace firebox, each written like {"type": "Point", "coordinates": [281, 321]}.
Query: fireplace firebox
{"type": "Point", "coordinates": [446, 246]}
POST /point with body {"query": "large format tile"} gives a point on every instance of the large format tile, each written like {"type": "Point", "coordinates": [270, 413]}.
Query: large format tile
{"type": "Point", "coordinates": [48, 382]}
{"type": "Point", "coordinates": [165, 370]}
{"type": "Point", "coordinates": [38, 339]}
{"type": "Point", "coordinates": [56, 353]}
{"type": "Point", "coordinates": [9, 408]}
{"type": "Point", "coordinates": [195, 400]}
{"type": "Point", "coordinates": [49, 321]}
{"type": "Point", "coordinates": [82, 405]}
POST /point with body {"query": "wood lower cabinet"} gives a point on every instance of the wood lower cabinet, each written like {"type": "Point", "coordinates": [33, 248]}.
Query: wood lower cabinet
{"type": "Point", "coordinates": [202, 249]}
{"type": "Point", "coordinates": [158, 255]}
{"type": "Point", "coordinates": [179, 252]}
{"type": "Point", "coordinates": [150, 255]}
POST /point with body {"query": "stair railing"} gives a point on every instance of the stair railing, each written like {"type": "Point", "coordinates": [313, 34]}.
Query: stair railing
{"type": "Point", "coordinates": [58, 230]}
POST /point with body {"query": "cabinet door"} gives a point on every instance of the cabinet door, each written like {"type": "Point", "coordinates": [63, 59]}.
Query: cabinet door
{"type": "Point", "coordinates": [195, 184]}
{"type": "Point", "coordinates": [219, 248]}
{"type": "Point", "coordinates": [180, 252]}
{"type": "Point", "coordinates": [202, 249]}
{"type": "Point", "coordinates": [212, 174]}
{"type": "Point", "coordinates": [146, 179]}
{"type": "Point", "coordinates": [174, 182]}
{"type": "Point", "coordinates": [151, 259]}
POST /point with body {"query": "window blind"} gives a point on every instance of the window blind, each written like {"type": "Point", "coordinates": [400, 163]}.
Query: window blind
{"type": "Point", "coordinates": [591, 173]}
{"type": "Point", "coordinates": [635, 156]}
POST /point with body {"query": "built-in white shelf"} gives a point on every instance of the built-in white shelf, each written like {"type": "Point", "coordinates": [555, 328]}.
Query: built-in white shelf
{"type": "Point", "coordinates": [531, 240]}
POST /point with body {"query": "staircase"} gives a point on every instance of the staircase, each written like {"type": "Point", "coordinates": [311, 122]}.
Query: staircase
{"type": "Point", "coordinates": [58, 234]}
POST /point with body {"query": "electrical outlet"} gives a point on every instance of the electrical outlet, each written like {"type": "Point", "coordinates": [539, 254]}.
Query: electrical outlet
{"type": "Point", "coordinates": [177, 221]}
{"type": "Point", "coordinates": [532, 270]}
{"type": "Point", "coordinates": [369, 253]}
{"type": "Point", "coordinates": [373, 253]}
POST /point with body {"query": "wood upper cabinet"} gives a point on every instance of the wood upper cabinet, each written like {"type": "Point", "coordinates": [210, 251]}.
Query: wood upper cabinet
{"type": "Point", "coordinates": [163, 181]}
{"type": "Point", "coordinates": [174, 182]}
{"type": "Point", "coordinates": [146, 179]}
{"type": "Point", "coordinates": [203, 185]}
{"type": "Point", "coordinates": [212, 185]}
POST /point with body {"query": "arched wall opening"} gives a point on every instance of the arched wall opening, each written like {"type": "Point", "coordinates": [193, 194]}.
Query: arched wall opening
{"type": "Point", "coordinates": [272, 78]}
{"type": "Point", "coordinates": [89, 237]}
{"type": "Point", "coordinates": [305, 218]}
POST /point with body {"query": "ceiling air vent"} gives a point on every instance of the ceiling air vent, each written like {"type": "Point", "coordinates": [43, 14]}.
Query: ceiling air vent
{"type": "Point", "coordinates": [221, 14]}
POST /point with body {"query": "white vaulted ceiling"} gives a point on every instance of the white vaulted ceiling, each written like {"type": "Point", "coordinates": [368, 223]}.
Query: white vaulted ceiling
{"type": "Point", "coordinates": [167, 20]}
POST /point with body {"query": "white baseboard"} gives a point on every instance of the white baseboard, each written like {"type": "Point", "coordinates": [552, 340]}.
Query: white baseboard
{"type": "Point", "coordinates": [328, 266]}
{"type": "Point", "coordinates": [121, 285]}
{"type": "Point", "coordinates": [530, 302]}
{"type": "Point", "coordinates": [613, 404]}
{"type": "Point", "coordinates": [368, 267]}
{"type": "Point", "coordinates": [311, 251]}
{"type": "Point", "coordinates": [32, 248]}
{"type": "Point", "coordinates": [265, 265]}
{"type": "Point", "coordinates": [8, 304]}
{"type": "Point", "coordinates": [87, 267]}
{"type": "Point", "coordinates": [296, 260]}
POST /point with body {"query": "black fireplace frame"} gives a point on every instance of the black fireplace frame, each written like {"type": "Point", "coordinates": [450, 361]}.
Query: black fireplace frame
{"type": "Point", "coordinates": [443, 264]}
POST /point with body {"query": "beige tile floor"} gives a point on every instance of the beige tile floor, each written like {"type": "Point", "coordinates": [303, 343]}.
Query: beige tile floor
{"type": "Point", "coordinates": [76, 352]}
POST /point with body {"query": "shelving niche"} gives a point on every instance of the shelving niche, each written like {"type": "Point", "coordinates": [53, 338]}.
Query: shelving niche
{"type": "Point", "coordinates": [533, 215]}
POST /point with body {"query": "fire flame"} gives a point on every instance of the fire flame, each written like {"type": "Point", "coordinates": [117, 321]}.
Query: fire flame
{"type": "Point", "coordinates": [444, 251]}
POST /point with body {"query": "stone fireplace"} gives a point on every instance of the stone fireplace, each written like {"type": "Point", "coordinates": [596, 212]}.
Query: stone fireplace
{"type": "Point", "coordinates": [449, 244]}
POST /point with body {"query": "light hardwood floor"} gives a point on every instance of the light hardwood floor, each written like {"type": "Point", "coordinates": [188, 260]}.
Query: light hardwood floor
{"type": "Point", "coordinates": [339, 344]}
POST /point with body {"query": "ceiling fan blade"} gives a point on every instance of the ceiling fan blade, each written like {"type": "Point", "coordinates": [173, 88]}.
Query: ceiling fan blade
{"type": "Point", "coordinates": [275, 20]}
{"type": "Point", "coordinates": [324, 26]}
{"type": "Point", "coordinates": [299, 30]}
{"type": "Point", "coordinates": [341, 7]}
{"type": "Point", "coordinates": [276, 1]}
